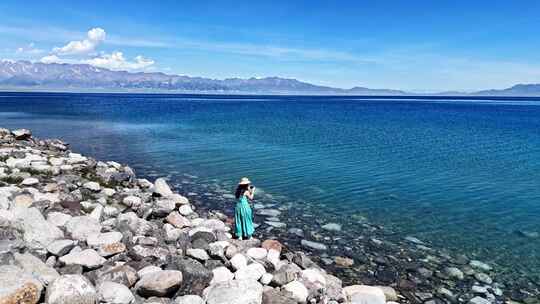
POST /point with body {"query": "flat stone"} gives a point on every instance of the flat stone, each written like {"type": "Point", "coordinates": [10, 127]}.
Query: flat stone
{"type": "Point", "coordinates": [160, 283]}
{"type": "Point", "coordinates": [332, 227]}
{"type": "Point", "coordinates": [275, 224]}
{"type": "Point", "coordinates": [114, 293]}
{"type": "Point", "coordinates": [480, 265]}
{"type": "Point", "coordinates": [70, 289]}
{"type": "Point", "coordinates": [88, 258]}
{"type": "Point", "coordinates": [30, 181]}
{"type": "Point", "coordinates": [60, 247]}
{"type": "Point", "coordinates": [18, 286]}
{"type": "Point", "coordinates": [106, 238]}
{"type": "Point", "coordinates": [343, 261]}
{"type": "Point", "coordinates": [237, 292]}
{"type": "Point", "coordinates": [455, 273]}
{"type": "Point", "coordinates": [58, 219]}
{"type": "Point", "coordinates": [148, 269]}
{"type": "Point", "coordinates": [269, 212]}
{"type": "Point", "coordinates": [314, 245]}
{"type": "Point", "coordinates": [483, 278]}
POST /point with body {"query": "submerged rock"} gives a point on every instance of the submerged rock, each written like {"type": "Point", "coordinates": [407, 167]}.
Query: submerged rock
{"type": "Point", "coordinates": [314, 245]}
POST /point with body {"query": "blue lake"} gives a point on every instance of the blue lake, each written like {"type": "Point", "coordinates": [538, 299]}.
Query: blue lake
{"type": "Point", "coordinates": [463, 174]}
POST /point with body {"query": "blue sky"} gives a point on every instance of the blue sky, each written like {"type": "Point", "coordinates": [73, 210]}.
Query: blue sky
{"type": "Point", "coordinates": [411, 45]}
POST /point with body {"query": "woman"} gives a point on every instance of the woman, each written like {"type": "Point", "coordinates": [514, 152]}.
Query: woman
{"type": "Point", "coordinates": [243, 217]}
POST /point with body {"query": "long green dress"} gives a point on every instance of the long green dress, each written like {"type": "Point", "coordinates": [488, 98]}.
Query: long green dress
{"type": "Point", "coordinates": [243, 218]}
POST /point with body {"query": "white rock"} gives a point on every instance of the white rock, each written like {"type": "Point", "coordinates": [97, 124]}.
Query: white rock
{"type": "Point", "coordinates": [114, 293]}
{"type": "Point", "coordinates": [299, 291]}
{"type": "Point", "coordinates": [132, 201]}
{"type": "Point", "coordinates": [314, 276]}
{"type": "Point", "coordinates": [479, 300]}
{"type": "Point", "coordinates": [197, 253]}
{"type": "Point", "coordinates": [253, 271]}
{"type": "Point", "coordinates": [88, 258]}
{"type": "Point", "coordinates": [58, 219]}
{"type": "Point", "coordinates": [106, 238]}
{"type": "Point", "coordinates": [92, 186]}
{"type": "Point", "coordinates": [221, 274]}
{"type": "Point", "coordinates": [257, 253]}
{"type": "Point", "coordinates": [147, 270]}
{"type": "Point", "coordinates": [70, 289]}
{"type": "Point", "coordinates": [238, 261]}
{"type": "Point", "coordinates": [234, 292]}
{"type": "Point", "coordinates": [60, 247]}
{"type": "Point", "coordinates": [38, 233]}
{"type": "Point", "coordinates": [189, 299]}
{"type": "Point", "coordinates": [162, 188]}
{"type": "Point", "coordinates": [159, 283]}
{"type": "Point", "coordinates": [480, 265]}
{"type": "Point", "coordinates": [332, 227]}
{"type": "Point", "coordinates": [314, 245]}
{"type": "Point", "coordinates": [30, 181]}
{"type": "Point", "coordinates": [362, 294]}
{"type": "Point", "coordinates": [97, 213]}
{"type": "Point", "coordinates": [185, 210]}
{"type": "Point", "coordinates": [266, 278]}
{"type": "Point", "coordinates": [18, 286]}
{"type": "Point", "coordinates": [32, 264]}
{"type": "Point", "coordinates": [80, 227]}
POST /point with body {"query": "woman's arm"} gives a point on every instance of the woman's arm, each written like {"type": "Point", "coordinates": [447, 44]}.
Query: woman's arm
{"type": "Point", "coordinates": [250, 193]}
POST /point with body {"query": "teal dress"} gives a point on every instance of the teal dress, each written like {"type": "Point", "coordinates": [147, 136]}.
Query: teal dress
{"type": "Point", "coordinates": [243, 218]}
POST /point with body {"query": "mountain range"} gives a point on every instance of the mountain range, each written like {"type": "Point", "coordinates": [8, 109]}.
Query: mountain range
{"type": "Point", "coordinates": [19, 75]}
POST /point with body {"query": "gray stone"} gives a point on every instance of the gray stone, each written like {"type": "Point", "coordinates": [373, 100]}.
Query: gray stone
{"type": "Point", "coordinates": [38, 233]}
{"type": "Point", "coordinates": [314, 245]}
{"type": "Point", "coordinates": [185, 210]}
{"type": "Point", "coordinates": [132, 201]}
{"type": "Point", "coordinates": [30, 181]}
{"type": "Point", "coordinates": [58, 219]}
{"type": "Point", "coordinates": [287, 273]}
{"type": "Point", "coordinates": [163, 207]}
{"type": "Point", "coordinates": [70, 289]}
{"type": "Point", "coordinates": [454, 272]}
{"type": "Point", "coordinates": [114, 293]}
{"type": "Point", "coordinates": [238, 261]}
{"type": "Point", "coordinates": [18, 286]}
{"type": "Point", "coordinates": [234, 292]}
{"type": "Point", "coordinates": [483, 278]}
{"type": "Point", "coordinates": [160, 283]}
{"type": "Point", "coordinates": [60, 247]}
{"type": "Point", "coordinates": [257, 253]}
{"type": "Point", "coordinates": [198, 254]}
{"type": "Point", "coordinates": [35, 266]}
{"type": "Point", "coordinates": [81, 227]}
{"type": "Point", "coordinates": [196, 276]}
{"type": "Point", "coordinates": [121, 274]}
{"type": "Point", "coordinates": [480, 265]}
{"type": "Point", "coordinates": [148, 269]}
{"type": "Point", "coordinates": [21, 134]}
{"type": "Point", "coordinates": [177, 220]}
{"type": "Point", "coordinates": [88, 258]}
{"type": "Point", "coordinates": [162, 188]}
{"type": "Point", "coordinates": [253, 271]}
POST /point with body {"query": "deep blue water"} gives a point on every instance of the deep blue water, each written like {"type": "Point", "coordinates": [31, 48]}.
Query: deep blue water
{"type": "Point", "coordinates": [461, 173]}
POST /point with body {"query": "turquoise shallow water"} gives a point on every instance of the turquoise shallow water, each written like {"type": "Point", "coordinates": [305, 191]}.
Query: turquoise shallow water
{"type": "Point", "coordinates": [462, 174]}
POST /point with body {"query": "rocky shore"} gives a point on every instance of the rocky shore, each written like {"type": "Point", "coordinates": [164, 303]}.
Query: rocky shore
{"type": "Point", "coordinates": [77, 230]}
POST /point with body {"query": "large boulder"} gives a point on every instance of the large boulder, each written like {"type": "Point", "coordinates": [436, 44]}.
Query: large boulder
{"type": "Point", "coordinates": [114, 293]}
{"type": "Point", "coordinates": [38, 233]}
{"type": "Point", "coordinates": [161, 188]}
{"type": "Point", "coordinates": [81, 227]}
{"type": "Point", "coordinates": [69, 289]}
{"type": "Point", "coordinates": [18, 286]}
{"type": "Point", "coordinates": [159, 283]}
{"type": "Point", "coordinates": [234, 292]}
{"type": "Point", "coordinates": [196, 277]}
{"type": "Point", "coordinates": [32, 264]}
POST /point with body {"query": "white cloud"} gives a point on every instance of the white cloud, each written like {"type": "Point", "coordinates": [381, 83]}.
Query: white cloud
{"type": "Point", "coordinates": [51, 59]}
{"type": "Point", "coordinates": [95, 37]}
{"type": "Point", "coordinates": [29, 49]}
{"type": "Point", "coordinates": [117, 61]}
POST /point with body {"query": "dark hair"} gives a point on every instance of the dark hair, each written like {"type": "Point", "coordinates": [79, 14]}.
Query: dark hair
{"type": "Point", "coordinates": [240, 190]}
